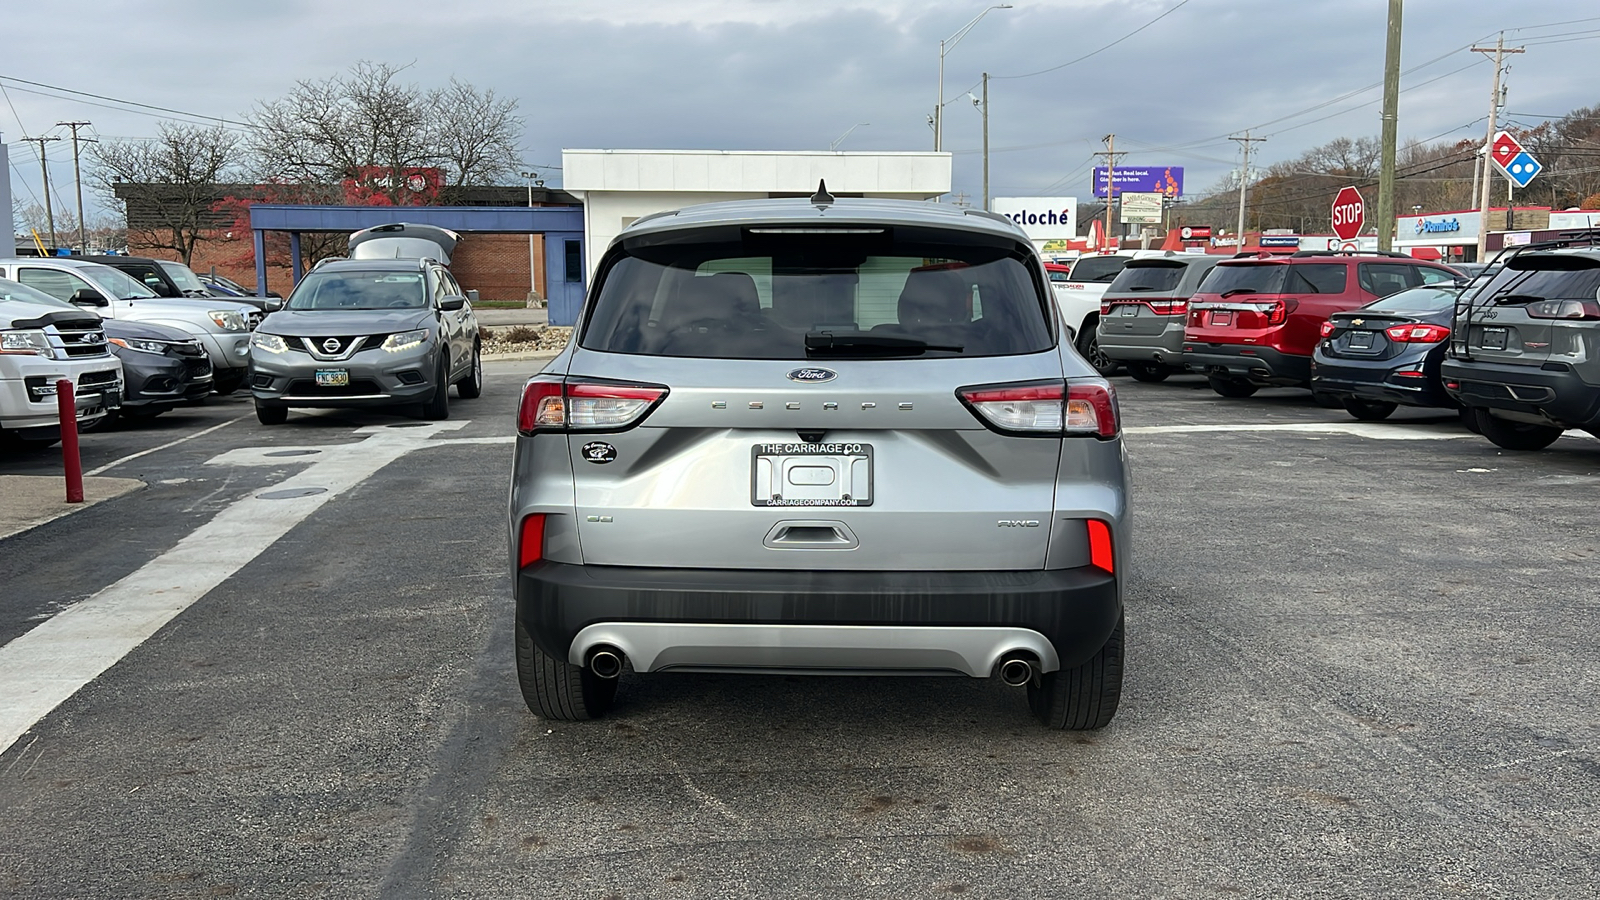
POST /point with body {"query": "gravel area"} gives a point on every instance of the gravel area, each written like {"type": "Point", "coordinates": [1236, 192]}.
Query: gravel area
{"type": "Point", "coordinates": [525, 339]}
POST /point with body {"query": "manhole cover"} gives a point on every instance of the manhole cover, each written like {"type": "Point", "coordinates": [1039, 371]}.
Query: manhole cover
{"type": "Point", "coordinates": [291, 493]}
{"type": "Point", "coordinates": [291, 453]}
{"type": "Point", "coordinates": [408, 425]}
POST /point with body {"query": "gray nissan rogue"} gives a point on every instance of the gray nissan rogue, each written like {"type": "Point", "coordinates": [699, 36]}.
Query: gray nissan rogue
{"type": "Point", "coordinates": [827, 437]}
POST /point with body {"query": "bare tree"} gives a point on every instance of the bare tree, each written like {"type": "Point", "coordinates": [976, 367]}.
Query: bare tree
{"type": "Point", "coordinates": [369, 136]}
{"type": "Point", "coordinates": [172, 180]}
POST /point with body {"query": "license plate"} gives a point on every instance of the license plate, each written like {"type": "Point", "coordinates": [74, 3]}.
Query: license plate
{"type": "Point", "coordinates": [1360, 340]}
{"type": "Point", "coordinates": [1222, 317]}
{"type": "Point", "coordinates": [1130, 309]}
{"type": "Point", "coordinates": [111, 399]}
{"type": "Point", "coordinates": [1494, 338]}
{"type": "Point", "coordinates": [800, 474]}
{"type": "Point", "coordinates": [333, 377]}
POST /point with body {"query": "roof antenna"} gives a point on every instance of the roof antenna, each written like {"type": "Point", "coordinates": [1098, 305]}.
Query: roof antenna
{"type": "Point", "coordinates": [822, 199]}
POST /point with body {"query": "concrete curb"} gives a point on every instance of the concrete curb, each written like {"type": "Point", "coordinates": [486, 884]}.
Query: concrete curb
{"type": "Point", "coordinates": [28, 501]}
{"type": "Point", "coordinates": [526, 354]}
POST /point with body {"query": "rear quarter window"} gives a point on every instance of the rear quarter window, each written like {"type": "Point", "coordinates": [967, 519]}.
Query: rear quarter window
{"type": "Point", "coordinates": [1318, 278]}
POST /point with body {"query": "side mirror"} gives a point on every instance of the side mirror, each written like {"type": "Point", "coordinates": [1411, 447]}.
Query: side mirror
{"type": "Point", "coordinates": [88, 297]}
{"type": "Point", "coordinates": [472, 296]}
{"type": "Point", "coordinates": [274, 304]}
{"type": "Point", "coordinates": [451, 304]}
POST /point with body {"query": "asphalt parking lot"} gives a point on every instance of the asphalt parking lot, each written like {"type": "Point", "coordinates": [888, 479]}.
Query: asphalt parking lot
{"type": "Point", "coordinates": [1361, 663]}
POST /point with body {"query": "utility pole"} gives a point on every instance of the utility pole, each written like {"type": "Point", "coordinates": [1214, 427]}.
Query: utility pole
{"type": "Point", "coordinates": [1111, 154]}
{"type": "Point", "coordinates": [1244, 181]}
{"type": "Point", "coordinates": [1391, 113]}
{"type": "Point", "coordinates": [1499, 50]}
{"type": "Point", "coordinates": [44, 168]}
{"type": "Point", "coordinates": [986, 142]}
{"type": "Point", "coordinates": [77, 177]}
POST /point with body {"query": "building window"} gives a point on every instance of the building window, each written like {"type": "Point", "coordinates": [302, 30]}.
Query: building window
{"type": "Point", "coordinates": [574, 250]}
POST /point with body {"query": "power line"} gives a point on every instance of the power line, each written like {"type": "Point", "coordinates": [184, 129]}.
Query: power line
{"type": "Point", "coordinates": [1180, 5]}
{"type": "Point", "coordinates": [165, 109]}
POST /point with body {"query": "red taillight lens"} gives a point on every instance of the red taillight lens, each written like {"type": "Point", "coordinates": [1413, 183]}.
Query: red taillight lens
{"type": "Point", "coordinates": [1169, 307]}
{"type": "Point", "coordinates": [1277, 313]}
{"type": "Point", "coordinates": [1100, 554]}
{"type": "Point", "coordinates": [1327, 328]}
{"type": "Point", "coordinates": [1417, 334]}
{"type": "Point", "coordinates": [1105, 309]}
{"type": "Point", "coordinates": [1564, 309]}
{"type": "Point", "coordinates": [552, 404]}
{"type": "Point", "coordinates": [530, 543]}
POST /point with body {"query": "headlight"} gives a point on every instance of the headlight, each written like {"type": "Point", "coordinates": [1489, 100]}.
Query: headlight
{"type": "Point", "coordinates": [405, 340]}
{"type": "Point", "coordinates": [268, 342]}
{"type": "Point", "coordinates": [142, 346]}
{"type": "Point", "coordinates": [30, 343]}
{"type": "Point", "coordinates": [228, 319]}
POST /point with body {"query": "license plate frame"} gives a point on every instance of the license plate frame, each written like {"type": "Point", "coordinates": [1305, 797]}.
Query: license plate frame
{"type": "Point", "coordinates": [1221, 317]}
{"type": "Point", "coordinates": [1361, 340]}
{"type": "Point", "coordinates": [773, 468]}
{"type": "Point", "coordinates": [1495, 338]}
{"type": "Point", "coordinates": [333, 377]}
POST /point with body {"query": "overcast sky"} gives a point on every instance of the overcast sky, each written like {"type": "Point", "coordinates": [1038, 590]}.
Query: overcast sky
{"type": "Point", "coordinates": [796, 74]}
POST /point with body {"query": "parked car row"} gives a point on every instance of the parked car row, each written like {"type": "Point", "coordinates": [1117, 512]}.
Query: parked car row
{"type": "Point", "coordinates": [1513, 347]}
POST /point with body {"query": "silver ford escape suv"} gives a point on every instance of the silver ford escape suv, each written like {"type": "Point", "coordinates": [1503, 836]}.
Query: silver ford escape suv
{"type": "Point", "coordinates": [820, 437]}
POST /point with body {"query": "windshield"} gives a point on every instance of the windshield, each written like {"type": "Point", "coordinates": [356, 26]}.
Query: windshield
{"type": "Point", "coordinates": [800, 296]}
{"type": "Point", "coordinates": [1101, 269]}
{"type": "Point", "coordinates": [183, 276]}
{"type": "Point", "coordinates": [14, 292]}
{"type": "Point", "coordinates": [1424, 299]}
{"type": "Point", "coordinates": [1252, 278]}
{"type": "Point", "coordinates": [359, 290]}
{"type": "Point", "coordinates": [1148, 276]}
{"type": "Point", "coordinates": [118, 284]}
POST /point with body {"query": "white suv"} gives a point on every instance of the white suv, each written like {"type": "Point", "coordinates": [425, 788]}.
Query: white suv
{"type": "Point", "coordinates": [42, 341]}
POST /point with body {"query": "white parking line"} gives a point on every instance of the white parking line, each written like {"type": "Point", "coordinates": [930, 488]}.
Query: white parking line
{"type": "Point", "coordinates": [1354, 429]}
{"type": "Point", "coordinates": [132, 456]}
{"type": "Point", "coordinates": [42, 668]}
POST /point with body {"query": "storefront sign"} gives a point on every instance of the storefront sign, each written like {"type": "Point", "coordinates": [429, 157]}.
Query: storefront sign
{"type": "Point", "coordinates": [1043, 218]}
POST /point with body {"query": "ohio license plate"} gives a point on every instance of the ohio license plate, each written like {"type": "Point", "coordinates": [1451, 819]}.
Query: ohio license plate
{"type": "Point", "coordinates": [333, 377]}
{"type": "Point", "coordinates": [800, 474]}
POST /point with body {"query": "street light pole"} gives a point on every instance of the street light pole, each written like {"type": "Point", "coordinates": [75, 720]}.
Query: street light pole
{"type": "Point", "coordinates": [945, 46]}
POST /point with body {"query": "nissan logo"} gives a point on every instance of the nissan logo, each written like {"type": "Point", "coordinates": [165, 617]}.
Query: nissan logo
{"type": "Point", "coordinates": [331, 345]}
{"type": "Point", "coordinates": [813, 375]}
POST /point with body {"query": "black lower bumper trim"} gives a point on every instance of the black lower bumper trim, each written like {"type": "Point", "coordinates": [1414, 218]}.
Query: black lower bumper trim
{"type": "Point", "coordinates": [1075, 609]}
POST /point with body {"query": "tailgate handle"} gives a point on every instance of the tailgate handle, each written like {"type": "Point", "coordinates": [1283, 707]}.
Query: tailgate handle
{"type": "Point", "coordinates": [810, 534]}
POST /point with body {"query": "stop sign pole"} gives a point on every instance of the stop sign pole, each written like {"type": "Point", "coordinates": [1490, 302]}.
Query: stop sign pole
{"type": "Point", "coordinates": [1349, 214]}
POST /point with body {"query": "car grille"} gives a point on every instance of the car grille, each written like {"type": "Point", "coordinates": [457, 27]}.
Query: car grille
{"type": "Point", "coordinates": [347, 347]}
{"type": "Point", "coordinates": [254, 318]}
{"type": "Point", "coordinates": [90, 379]}
{"type": "Point", "coordinates": [79, 341]}
{"type": "Point", "coordinates": [306, 387]}
{"type": "Point", "coordinates": [197, 368]}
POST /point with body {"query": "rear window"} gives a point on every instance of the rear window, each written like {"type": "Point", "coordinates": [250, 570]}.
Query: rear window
{"type": "Point", "coordinates": [773, 293]}
{"type": "Point", "coordinates": [1100, 269]}
{"type": "Point", "coordinates": [1247, 278]}
{"type": "Point", "coordinates": [1151, 275]}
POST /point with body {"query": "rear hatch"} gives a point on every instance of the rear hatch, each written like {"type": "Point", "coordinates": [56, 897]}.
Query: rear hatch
{"type": "Point", "coordinates": [1538, 310]}
{"type": "Point", "coordinates": [1386, 328]}
{"type": "Point", "coordinates": [1254, 302]}
{"type": "Point", "coordinates": [1144, 298]}
{"type": "Point", "coordinates": [799, 390]}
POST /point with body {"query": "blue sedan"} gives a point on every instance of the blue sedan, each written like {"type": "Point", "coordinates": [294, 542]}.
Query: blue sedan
{"type": "Point", "coordinates": [1387, 354]}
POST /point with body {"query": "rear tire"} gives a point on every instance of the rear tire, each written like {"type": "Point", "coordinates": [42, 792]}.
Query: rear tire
{"type": "Point", "coordinates": [270, 414]}
{"type": "Point", "coordinates": [1149, 373]}
{"type": "Point", "coordinates": [556, 689]}
{"type": "Point", "coordinates": [1517, 435]}
{"type": "Point", "coordinates": [470, 387]}
{"type": "Point", "coordinates": [1369, 410]}
{"type": "Point", "coordinates": [1089, 346]}
{"type": "Point", "coordinates": [439, 407]}
{"type": "Point", "coordinates": [1085, 697]}
{"type": "Point", "coordinates": [1236, 388]}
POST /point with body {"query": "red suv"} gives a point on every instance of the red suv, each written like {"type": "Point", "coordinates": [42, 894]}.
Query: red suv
{"type": "Point", "coordinates": [1255, 322]}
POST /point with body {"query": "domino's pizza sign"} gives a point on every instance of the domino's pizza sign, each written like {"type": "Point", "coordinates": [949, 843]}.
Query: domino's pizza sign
{"type": "Point", "coordinates": [1042, 218]}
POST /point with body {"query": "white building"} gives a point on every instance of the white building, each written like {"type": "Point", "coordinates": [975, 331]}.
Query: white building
{"type": "Point", "coordinates": [618, 186]}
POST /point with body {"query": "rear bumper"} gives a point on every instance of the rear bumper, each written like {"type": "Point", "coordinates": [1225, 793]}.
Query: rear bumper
{"type": "Point", "coordinates": [1539, 395]}
{"type": "Point", "coordinates": [1376, 380]}
{"type": "Point", "coordinates": [1165, 348]}
{"type": "Point", "coordinates": [1264, 365]}
{"type": "Point", "coordinates": [754, 620]}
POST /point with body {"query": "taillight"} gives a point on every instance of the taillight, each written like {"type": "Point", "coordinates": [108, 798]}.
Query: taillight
{"type": "Point", "coordinates": [530, 543]}
{"type": "Point", "coordinates": [1100, 553]}
{"type": "Point", "coordinates": [1327, 327]}
{"type": "Point", "coordinates": [1417, 334]}
{"type": "Point", "coordinates": [1564, 309]}
{"type": "Point", "coordinates": [551, 403]}
{"type": "Point", "coordinates": [1046, 407]}
{"type": "Point", "coordinates": [1169, 307]}
{"type": "Point", "coordinates": [1277, 313]}
{"type": "Point", "coordinates": [1105, 309]}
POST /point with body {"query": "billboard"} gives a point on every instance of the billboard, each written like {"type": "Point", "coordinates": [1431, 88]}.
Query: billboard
{"type": "Point", "coordinates": [1141, 207]}
{"type": "Point", "coordinates": [1167, 180]}
{"type": "Point", "coordinates": [1043, 218]}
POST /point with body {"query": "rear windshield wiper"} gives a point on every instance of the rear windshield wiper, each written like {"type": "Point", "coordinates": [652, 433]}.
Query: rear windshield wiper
{"type": "Point", "coordinates": [1227, 294]}
{"type": "Point", "coordinates": [866, 344]}
{"type": "Point", "coordinates": [1504, 299]}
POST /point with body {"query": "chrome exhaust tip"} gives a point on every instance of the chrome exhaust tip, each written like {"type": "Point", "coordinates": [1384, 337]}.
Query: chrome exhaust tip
{"type": "Point", "coordinates": [605, 662]}
{"type": "Point", "coordinates": [1016, 672]}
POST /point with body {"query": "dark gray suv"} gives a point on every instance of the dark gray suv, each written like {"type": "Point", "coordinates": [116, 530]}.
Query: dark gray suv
{"type": "Point", "coordinates": [820, 437]}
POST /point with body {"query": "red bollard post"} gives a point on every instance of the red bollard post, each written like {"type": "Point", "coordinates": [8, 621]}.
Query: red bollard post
{"type": "Point", "coordinates": [67, 404]}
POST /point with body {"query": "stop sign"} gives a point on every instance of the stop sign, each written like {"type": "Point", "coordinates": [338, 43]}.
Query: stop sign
{"type": "Point", "coordinates": [1349, 214]}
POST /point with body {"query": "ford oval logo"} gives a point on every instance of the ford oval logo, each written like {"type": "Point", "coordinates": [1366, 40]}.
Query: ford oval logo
{"type": "Point", "coordinates": [813, 375]}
